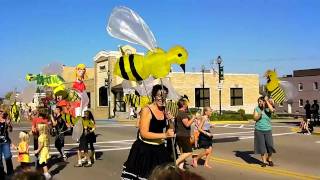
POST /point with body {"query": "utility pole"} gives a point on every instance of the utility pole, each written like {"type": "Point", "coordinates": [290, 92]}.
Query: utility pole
{"type": "Point", "coordinates": [221, 77]}
{"type": "Point", "coordinates": [109, 95]}
{"type": "Point", "coordinates": [203, 69]}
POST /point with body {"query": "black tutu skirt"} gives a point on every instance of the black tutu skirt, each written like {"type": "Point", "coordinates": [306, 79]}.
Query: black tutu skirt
{"type": "Point", "coordinates": [205, 141]}
{"type": "Point", "coordinates": [143, 158]}
{"type": "Point", "coordinates": [92, 138]}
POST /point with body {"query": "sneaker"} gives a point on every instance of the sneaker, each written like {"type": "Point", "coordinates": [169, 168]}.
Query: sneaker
{"type": "Point", "coordinates": [263, 164]}
{"type": "Point", "coordinates": [65, 158]}
{"type": "Point", "coordinates": [78, 165]}
{"type": "Point", "coordinates": [47, 176]}
{"type": "Point", "coordinates": [270, 163]}
{"type": "Point", "coordinates": [88, 165]}
{"type": "Point", "coordinates": [83, 160]}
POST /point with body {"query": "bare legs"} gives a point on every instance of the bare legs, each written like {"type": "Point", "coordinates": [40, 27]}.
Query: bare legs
{"type": "Point", "coordinates": [182, 157]}
{"type": "Point", "coordinates": [207, 153]}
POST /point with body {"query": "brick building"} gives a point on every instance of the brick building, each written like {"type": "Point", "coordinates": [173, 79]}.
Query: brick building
{"type": "Point", "coordinates": [306, 83]}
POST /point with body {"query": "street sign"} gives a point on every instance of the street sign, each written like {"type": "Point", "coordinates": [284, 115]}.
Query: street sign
{"type": "Point", "coordinates": [219, 86]}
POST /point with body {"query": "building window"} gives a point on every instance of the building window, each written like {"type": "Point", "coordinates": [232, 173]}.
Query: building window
{"type": "Point", "coordinates": [102, 68]}
{"type": "Point", "coordinates": [103, 96]}
{"type": "Point", "coordinates": [300, 102]}
{"type": "Point", "coordinates": [300, 86]}
{"type": "Point", "coordinates": [120, 105]}
{"type": "Point", "coordinates": [236, 96]}
{"type": "Point", "coordinates": [315, 86]}
{"type": "Point", "coordinates": [202, 96]}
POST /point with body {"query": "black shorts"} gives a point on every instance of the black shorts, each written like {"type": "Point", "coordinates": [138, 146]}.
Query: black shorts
{"type": "Point", "coordinates": [42, 165]}
{"type": "Point", "coordinates": [184, 144]}
{"type": "Point", "coordinates": [25, 164]}
{"type": "Point", "coordinates": [83, 145]}
{"type": "Point", "coordinates": [59, 141]}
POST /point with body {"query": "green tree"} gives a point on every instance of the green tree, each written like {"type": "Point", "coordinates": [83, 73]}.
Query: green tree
{"type": "Point", "coordinates": [8, 95]}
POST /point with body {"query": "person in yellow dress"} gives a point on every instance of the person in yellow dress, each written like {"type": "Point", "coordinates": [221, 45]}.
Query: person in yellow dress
{"type": "Point", "coordinates": [43, 148]}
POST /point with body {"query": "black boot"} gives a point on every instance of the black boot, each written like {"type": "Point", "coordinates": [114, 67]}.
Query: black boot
{"type": "Point", "coordinates": [2, 173]}
{"type": "Point", "coordinates": [9, 167]}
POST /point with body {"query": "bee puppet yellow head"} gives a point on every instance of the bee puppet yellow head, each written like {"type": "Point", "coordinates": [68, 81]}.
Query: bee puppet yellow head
{"type": "Point", "coordinates": [178, 55]}
{"type": "Point", "coordinates": [272, 80]}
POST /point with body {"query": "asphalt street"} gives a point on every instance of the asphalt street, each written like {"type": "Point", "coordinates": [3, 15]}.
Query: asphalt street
{"type": "Point", "coordinates": [297, 155]}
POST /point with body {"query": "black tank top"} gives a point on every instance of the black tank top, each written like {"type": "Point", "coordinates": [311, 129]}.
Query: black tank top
{"type": "Point", "coordinates": [156, 125]}
{"type": "Point", "coordinates": [4, 136]}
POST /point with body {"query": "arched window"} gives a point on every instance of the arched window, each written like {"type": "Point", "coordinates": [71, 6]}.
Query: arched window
{"type": "Point", "coordinates": [103, 96]}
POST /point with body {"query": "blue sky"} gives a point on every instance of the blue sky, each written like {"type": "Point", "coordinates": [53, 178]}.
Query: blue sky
{"type": "Point", "coordinates": [250, 36]}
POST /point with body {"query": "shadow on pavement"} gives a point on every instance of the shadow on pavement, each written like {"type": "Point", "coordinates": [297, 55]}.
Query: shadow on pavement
{"type": "Point", "coordinates": [247, 157]}
{"type": "Point", "coordinates": [99, 155]}
{"type": "Point", "coordinates": [228, 139]}
{"type": "Point", "coordinates": [54, 160]}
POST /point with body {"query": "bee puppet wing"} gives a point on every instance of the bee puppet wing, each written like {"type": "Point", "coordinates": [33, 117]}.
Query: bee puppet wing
{"type": "Point", "coordinates": [144, 87]}
{"type": "Point", "coordinates": [289, 89]}
{"type": "Point", "coordinates": [127, 25]}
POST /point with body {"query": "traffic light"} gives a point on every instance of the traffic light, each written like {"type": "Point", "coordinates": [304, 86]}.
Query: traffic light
{"type": "Point", "coordinates": [221, 73]}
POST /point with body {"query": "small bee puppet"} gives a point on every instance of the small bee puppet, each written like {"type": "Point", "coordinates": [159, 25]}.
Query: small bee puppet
{"type": "Point", "coordinates": [273, 87]}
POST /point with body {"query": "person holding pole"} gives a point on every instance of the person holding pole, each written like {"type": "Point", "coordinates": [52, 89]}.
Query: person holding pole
{"type": "Point", "coordinates": [149, 150]}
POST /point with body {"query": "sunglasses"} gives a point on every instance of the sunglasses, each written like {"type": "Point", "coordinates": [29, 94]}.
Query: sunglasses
{"type": "Point", "coordinates": [161, 97]}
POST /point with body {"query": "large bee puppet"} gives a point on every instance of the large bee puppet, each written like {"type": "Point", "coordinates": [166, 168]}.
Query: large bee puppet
{"type": "Point", "coordinates": [279, 91]}
{"type": "Point", "coordinates": [127, 25]}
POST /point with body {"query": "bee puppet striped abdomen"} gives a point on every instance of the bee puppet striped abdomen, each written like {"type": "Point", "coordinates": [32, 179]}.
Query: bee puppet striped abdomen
{"type": "Point", "coordinates": [278, 95]}
{"type": "Point", "coordinates": [172, 107]}
{"type": "Point", "coordinates": [128, 68]}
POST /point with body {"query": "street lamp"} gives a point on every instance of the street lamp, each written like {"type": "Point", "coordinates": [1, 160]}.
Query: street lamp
{"type": "Point", "coordinates": [109, 94]}
{"type": "Point", "coordinates": [203, 69]}
{"type": "Point", "coordinates": [219, 61]}
{"type": "Point", "coordinates": [107, 84]}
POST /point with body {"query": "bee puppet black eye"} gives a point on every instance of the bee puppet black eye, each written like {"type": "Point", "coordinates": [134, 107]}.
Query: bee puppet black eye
{"type": "Point", "coordinates": [179, 55]}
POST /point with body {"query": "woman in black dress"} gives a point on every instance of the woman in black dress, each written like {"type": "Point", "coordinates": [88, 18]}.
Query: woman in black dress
{"type": "Point", "coordinates": [149, 151]}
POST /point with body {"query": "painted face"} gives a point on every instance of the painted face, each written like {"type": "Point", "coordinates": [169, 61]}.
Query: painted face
{"type": "Point", "coordinates": [160, 98]}
{"type": "Point", "coordinates": [81, 72]}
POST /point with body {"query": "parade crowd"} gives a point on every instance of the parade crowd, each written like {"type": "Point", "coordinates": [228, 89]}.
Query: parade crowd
{"type": "Point", "coordinates": [165, 141]}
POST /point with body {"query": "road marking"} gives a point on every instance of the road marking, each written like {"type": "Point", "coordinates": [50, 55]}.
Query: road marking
{"type": "Point", "coordinates": [280, 134]}
{"type": "Point", "coordinates": [318, 142]}
{"type": "Point", "coordinates": [233, 133]}
{"type": "Point", "coordinates": [126, 142]}
{"type": "Point", "coordinates": [97, 150]}
{"type": "Point", "coordinates": [272, 171]}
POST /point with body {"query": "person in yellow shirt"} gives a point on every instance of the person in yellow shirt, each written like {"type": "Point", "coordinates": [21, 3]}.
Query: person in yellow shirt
{"type": "Point", "coordinates": [87, 137]}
